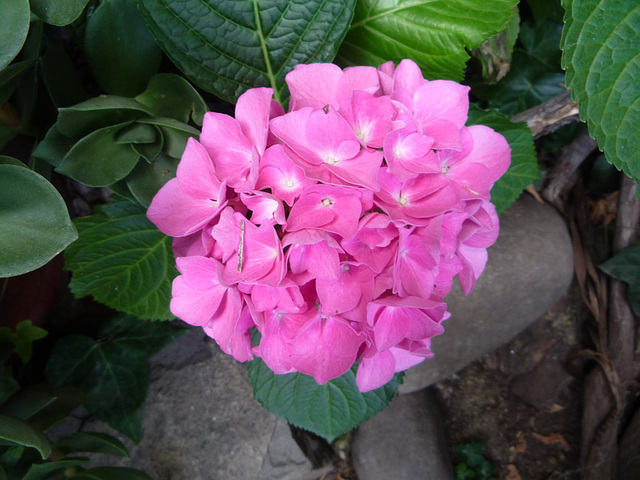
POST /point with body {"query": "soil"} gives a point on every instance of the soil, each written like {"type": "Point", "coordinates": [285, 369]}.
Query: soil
{"type": "Point", "coordinates": [521, 402]}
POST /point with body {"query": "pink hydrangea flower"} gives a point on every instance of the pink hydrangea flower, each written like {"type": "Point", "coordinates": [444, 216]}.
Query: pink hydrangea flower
{"type": "Point", "coordinates": [335, 229]}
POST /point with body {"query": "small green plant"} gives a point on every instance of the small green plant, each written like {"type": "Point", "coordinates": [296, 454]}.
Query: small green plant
{"type": "Point", "coordinates": [26, 414]}
{"type": "Point", "coordinates": [472, 464]}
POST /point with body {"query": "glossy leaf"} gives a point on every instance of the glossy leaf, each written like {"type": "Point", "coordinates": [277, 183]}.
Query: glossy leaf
{"type": "Point", "coordinates": [43, 471]}
{"type": "Point", "coordinates": [34, 218]}
{"type": "Point", "coordinates": [174, 133]}
{"type": "Point", "coordinates": [328, 410]}
{"type": "Point", "coordinates": [124, 262]}
{"type": "Point", "coordinates": [626, 267]}
{"type": "Point", "coordinates": [169, 95]}
{"type": "Point", "coordinates": [21, 433]}
{"type": "Point", "coordinates": [122, 53]}
{"type": "Point", "coordinates": [98, 160]}
{"type": "Point", "coordinates": [82, 119]}
{"type": "Point", "coordinates": [435, 34]}
{"type": "Point", "coordinates": [228, 46]}
{"type": "Point", "coordinates": [147, 178]}
{"type": "Point", "coordinates": [524, 164]}
{"type": "Point", "coordinates": [59, 12]}
{"type": "Point", "coordinates": [91, 443]}
{"type": "Point", "coordinates": [53, 147]}
{"type": "Point", "coordinates": [14, 25]}
{"type": "Point", "coordinates": [600, 55]}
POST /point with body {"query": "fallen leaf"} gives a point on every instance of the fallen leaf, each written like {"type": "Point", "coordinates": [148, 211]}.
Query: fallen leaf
{"type": "Point", "coordinates": [556, 407]}
{"type": "Point", "coordinates": [552, 439]}
{"type": "Point", "coordinates": [512, 473]}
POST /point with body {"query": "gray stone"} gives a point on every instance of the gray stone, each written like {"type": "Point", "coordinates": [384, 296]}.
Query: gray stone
{"type": "Point", "coordinates": [529, 269]}
{"type": "Point", "coordinates": [284, 459]}
{"type": "Point", "coordinates": [200, 421]}
{"type": "Point", "coordinates": [404, 442]}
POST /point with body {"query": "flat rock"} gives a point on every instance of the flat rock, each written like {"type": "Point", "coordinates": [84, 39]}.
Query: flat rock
{"type": "Point", "coordinates": [406, 441]}
{"type": "Point", "coordinates": [284, 459]}
{"type": "Point", "coordinates": [529, 269]}
{"type": "Point", "coordinates": [200, 421]}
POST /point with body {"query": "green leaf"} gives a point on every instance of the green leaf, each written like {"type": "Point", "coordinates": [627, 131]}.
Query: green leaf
{"type": "Point", "coordinates": [129, 424]}
{"type": "Point", "coordinates": [61, 77]}
{"type": "Point", "coordinates": [524, 165]}
{"type": "Point", "coordinates": [98, 160]}
{"type": "Point", "coordinates": [138, 133]}
{"type": "Point", "coordinates": [600, 55]}
{"type": "Point", "coordinates": [14, 25]}
{"type": "Point", "coordinates": [112, 473]}
{"type": "Point", "coordinates": [43, 471]}
{"type": "Point", "coordinates": [26, 334]}
{"type": "Point", "coordinates": [329, 410]}
{"type": "Point", "coordinates": [228, 46]}
{"type": "Point", "coordinates": [434, 33]}
{"type": "Point", "coordinates": [626, 267]}
{"type": "Point", "coordinates": [169, 95]}
{"type": "Point", "coordinates": [53, 147]}
{"type": "Point", "coordinates": [124, 262]}
{"type": "Point", "coordinates": [82, 119]}
{"type": "Point", "coordinates": [20, 432]}
{"type": "Point", "coordinates": [112, 377]}
{"type": "Point", "coordinates": [113, 370]}
{"type": "Point", "coordinates": [92, 443]}
{"type": "Point", "coordinates": [122, 53]}
{"type": "Point", "coordinates": [60, 12]}
{"type": "Point", "coordinates": [535, 75]}
{"type": "Point", "coordinates": [174, 133]}
{"type": "Point", "coordinates": [29, 401]}
{"type": "Point", "coordinates": [8, 384]}
{"type": "Point", "coordinates": [147, 178]}
{"type": "Point", "coordinates": [10, 76]}
{"type": "Point", "coordinates": [34, 218]}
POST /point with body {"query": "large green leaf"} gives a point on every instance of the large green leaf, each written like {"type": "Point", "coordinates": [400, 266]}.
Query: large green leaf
{"type": "Point", "coordinates": [229, 46]}
{"type": "Point", "coordinates": [98, 160]}
{"type": "Point", "coordinates": [124, 261]}
{"type": "Point", "coordinates": [524, 164]}
{"type": "Point", "coordinates": [329, 410]}
{"type": "Point", "coordinates": [20, 432]}
{"type": "Point", "coordinates": [122, 54]}
{"type": "Point", "coordinates": [434, 33]}
{"type": "Point", "coordinates": [82, 119]}
{"type": "Point", "coordinates": [58, 12]}
{"type": "Point", "coordinates": [14, 25]}
{"type": "Point", "coordinates": [113, 369]}
{"type": "Point", "coordinates": [34, 218]}
{"type": "Point", "coordinates": [626, 266]}
{"type": "Point", "coordinates": [600, 54]}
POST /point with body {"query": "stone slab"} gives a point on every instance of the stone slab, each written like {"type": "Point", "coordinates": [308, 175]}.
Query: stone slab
{"type": "Point", "coordinates": [529, 269]}
{"type": "Point", "coordinates": [406, 441]}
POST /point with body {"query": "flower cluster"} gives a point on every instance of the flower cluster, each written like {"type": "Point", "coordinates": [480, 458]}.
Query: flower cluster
{"type": "Point", "coordinates": [335, 229]}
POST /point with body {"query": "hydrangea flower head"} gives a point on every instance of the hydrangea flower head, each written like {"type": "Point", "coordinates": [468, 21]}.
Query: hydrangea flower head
{"type": "Point", "coordinates": [335, 229]}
